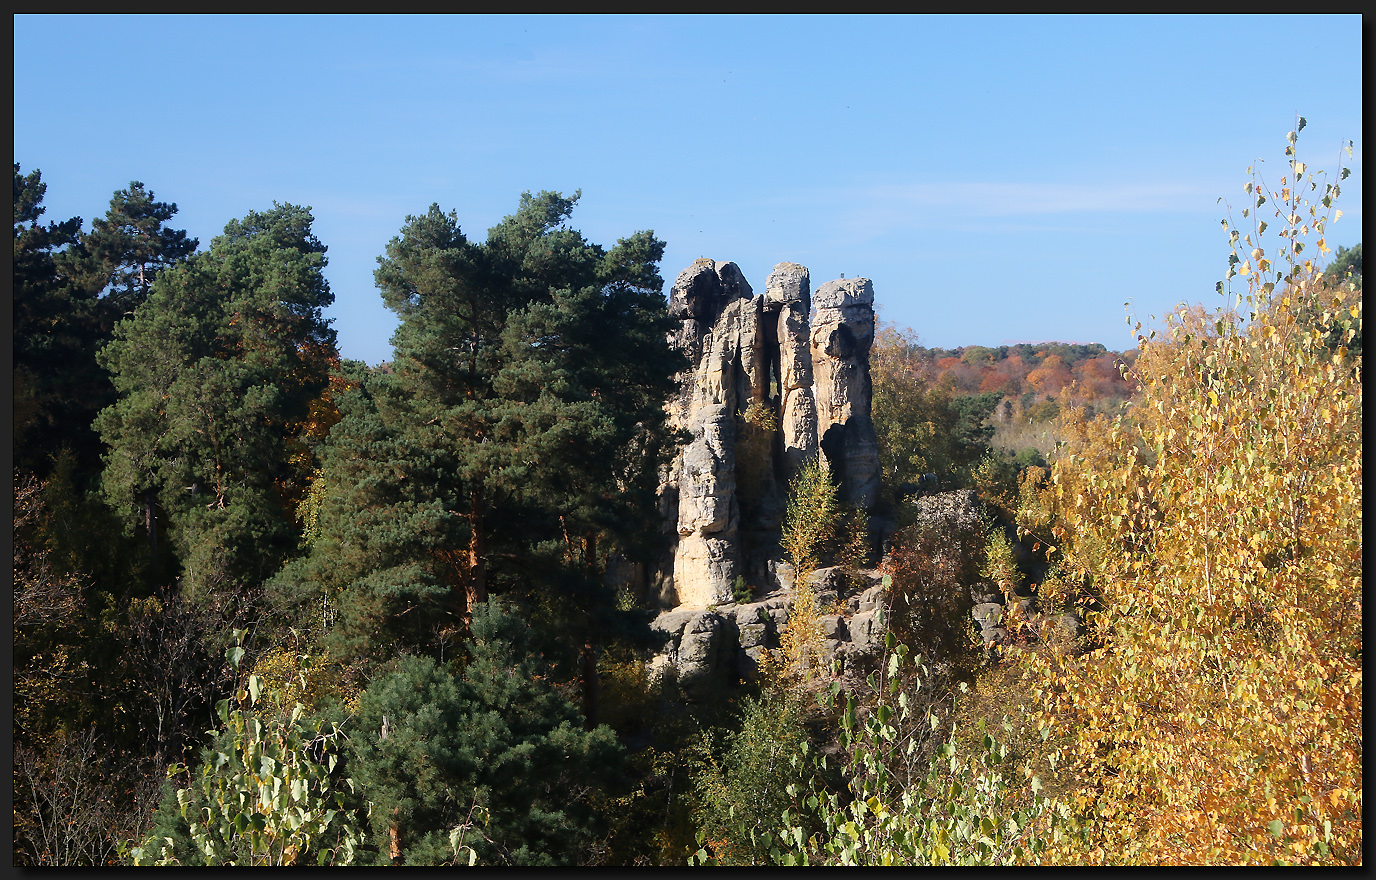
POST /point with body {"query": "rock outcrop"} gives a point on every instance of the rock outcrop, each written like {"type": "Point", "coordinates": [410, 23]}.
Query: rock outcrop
{"type": "Point", "coordinates": [842, 333]}
{"type": "Point", "coordinates": [774, 380]}
{"type": "Point", "coordinates": [708, 649]}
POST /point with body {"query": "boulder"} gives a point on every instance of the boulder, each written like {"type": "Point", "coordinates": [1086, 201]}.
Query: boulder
{"type": "Point", "coordinates": [834, 627]}
{"type": "Point", "coordinates": [864, 629]}
{"type": "Point", "coordinates": [983, 592]}
{"type": "Point", "coordinates": [987, 614]}
{"type": "Point", "coordinates": [696, 644]}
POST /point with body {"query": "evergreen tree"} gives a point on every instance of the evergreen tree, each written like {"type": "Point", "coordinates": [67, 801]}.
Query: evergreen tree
{"type": "Point", "coordinates": [494, 746]}
{"type": "Point", "coordinates": [70, 289]}
{"type": "Point", "coordinates": [107, 678]}
{"type": "Point", "coordinates": [130, 246]}
{"type": "Point", "coordinates": [216, 372]}
{"type": "Point", "coordinates": [520, 427]}
{"type": "Point", "coordinates": [50, 336]}
{"type": "Point", "coordinates": [1346, 266]}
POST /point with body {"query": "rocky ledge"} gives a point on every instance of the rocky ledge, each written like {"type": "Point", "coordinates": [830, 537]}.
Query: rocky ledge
{"type": "Point", "coordinates": [721, 645]}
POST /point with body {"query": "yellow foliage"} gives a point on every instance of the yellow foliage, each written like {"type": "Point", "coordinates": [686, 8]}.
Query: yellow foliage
{"type": "Point", "coordinates": [1219, 523]}
{"type": "Point", "coordinates": [809, 529]}
{"type": "Point", "coordinates": [803, 641]}
{"type": "Point", "coordinates": [289, 678]}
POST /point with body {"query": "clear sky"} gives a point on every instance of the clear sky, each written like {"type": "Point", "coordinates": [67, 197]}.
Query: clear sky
{"type": "Point", "coordinates": [1001, 179]}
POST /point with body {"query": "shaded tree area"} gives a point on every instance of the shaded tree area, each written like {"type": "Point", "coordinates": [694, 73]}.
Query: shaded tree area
{"type": "Point", "coordinates": [194, 461]}
{"type": "Point", "coordinates": [234, 487]}
{"type": "Point", "coordinates": [216, 374]}
{"type": "Point", "coordinates": [107, 669]}
{"type": "Point", "coordinates": [477, 758]}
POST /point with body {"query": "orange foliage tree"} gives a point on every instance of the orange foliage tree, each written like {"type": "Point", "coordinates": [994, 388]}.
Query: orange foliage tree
{"type": "Point", "coordinates": [1051, 376]}
{"type": "Point", "coordinates": [1217, 716]}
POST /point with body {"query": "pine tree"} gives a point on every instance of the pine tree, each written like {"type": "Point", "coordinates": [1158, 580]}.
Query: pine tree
{"type": "Point", "coordinates": [216, 372]}
{"type": "Point", "coordinates": [71, 287]}
{"type": "Point", "coordinates": [51, 335]}
{"type": "Point", "coordinates": [494, 746]}
{"type": "Point", "coordinates": [518, 430]}
{"type": "Point", "coordinates": [131, 245]}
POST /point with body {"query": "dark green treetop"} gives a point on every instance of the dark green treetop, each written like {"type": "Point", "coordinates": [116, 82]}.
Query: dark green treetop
{"type": "Point", "coordinates": [437, 745]}
{"type": "Point", "coordinates": [215, 373]}
{"type": "Point", "coordinates": [1346, 265]}
{"type": "Point", "coordinates": [130, 245]}
{"type": "Point", "coordinates": [50, 331]}
{"type": "Point", "coordinates": [518, 430]}
{"type": "Point", "coordinates": [71, 287]}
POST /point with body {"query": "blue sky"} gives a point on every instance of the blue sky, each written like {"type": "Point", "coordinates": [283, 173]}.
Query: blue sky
{"type": "Point", "coordinates": [1001, 179]}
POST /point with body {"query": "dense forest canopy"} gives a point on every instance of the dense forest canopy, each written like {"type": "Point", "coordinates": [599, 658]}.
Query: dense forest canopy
{"type": "Point", "coordinates": [276, 607]}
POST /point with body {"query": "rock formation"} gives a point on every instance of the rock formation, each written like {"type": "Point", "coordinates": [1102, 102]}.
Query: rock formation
{"type": "Point", "coordinates": [774, 380]}
{"type": "Point", "coordinates": [842, 333]}
{"type": "Point", "coordinates": [707, 649]}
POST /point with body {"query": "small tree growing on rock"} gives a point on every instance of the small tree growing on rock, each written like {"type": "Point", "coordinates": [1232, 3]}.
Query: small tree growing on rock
{"type": "Point", "coordinates": [810, 526]}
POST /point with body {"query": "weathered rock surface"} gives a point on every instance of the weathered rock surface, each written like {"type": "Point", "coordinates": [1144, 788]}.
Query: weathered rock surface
{"type": "Point", "coordinates": [802, 358]}
{"type": "Point", "coordinates": [708, 649]}
{"type": "Point", "coordinates": [809, 369]}
{"type": "Point", "coordinates": [841, 337]}
{"type": "Point", "coordinates": [788, 294]}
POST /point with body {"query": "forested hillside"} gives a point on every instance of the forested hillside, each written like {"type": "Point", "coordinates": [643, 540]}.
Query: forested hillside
{"type": "Point", "coordinates": [274, 607]}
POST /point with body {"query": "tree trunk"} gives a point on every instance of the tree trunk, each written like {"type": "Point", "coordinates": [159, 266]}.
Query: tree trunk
{"type": "Point", "coordinates": [475, 580]}
{"type": "Point", "coordinates": [589, 676]}
{"type": "Point", "coordinates": [150, 519]}
{"type": "Point", "coordinates": [394, 838]}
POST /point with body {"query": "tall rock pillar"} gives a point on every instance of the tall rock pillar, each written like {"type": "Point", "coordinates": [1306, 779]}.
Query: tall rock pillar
{"type": "Point", "coordinates": [788, 293]}
{"type": "Point", "coordinates": [801, 359]}
{"type": "Point", "coordinates": [842, 333]}
{"type": "Point", "coordinates": [720, 333]}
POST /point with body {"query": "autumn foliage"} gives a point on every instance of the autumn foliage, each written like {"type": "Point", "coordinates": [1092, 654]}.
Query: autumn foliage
{"type": "Point", "coordinates": [1218, 525]}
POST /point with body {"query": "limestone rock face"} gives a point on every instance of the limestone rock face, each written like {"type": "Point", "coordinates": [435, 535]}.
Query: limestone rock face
{"type": "Point", "coordinates": [723, 498]}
